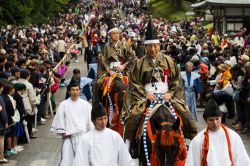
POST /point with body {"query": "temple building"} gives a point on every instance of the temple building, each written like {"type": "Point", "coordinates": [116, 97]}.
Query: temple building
{"type": "Point", "coordinates": [228, 15]}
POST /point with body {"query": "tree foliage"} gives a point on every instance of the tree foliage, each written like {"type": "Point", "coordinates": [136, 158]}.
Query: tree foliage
{"type": "Point", "coordinates": [178, 3]}
{"type": "Point", "coordinates": [22, 12]}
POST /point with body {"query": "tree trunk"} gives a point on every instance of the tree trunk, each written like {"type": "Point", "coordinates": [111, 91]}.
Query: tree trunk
{"type": "Point", "coordinates": [178, 4]}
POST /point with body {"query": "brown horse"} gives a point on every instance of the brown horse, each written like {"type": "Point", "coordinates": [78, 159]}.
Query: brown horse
{"type": "Point", "coordinates": [165, 144]}
{"type": "Point", "coordinates": [113, 96]}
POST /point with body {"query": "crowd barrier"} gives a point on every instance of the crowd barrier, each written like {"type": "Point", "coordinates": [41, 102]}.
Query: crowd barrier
{"type": "Point", "coordinates": [48, 104]}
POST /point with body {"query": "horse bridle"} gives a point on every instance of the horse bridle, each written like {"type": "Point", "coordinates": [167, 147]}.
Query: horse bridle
{"type": "Point", "coordinates": [166, 123]}
{"type": "Point", "coordinates": [146, 119]}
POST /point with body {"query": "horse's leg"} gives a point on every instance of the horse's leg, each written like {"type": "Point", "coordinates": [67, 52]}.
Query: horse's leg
{"type": "Point", "coordinates": [140, 163]}
{"type": "Point", "coordinates": [171, 154]}
{"type": "Point", "coordinates": [119, 87]}
{"type": "Point", "coordinates": [140, 158]}
{"type": "Point", "coordinates": [161, 156]}
{"type": "Point", "coordinates": [118, 91]}
{"type": "Point", "coordinates": [96, 93]}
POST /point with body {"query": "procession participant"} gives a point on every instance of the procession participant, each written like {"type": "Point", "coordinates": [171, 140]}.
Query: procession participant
{"type": "Point", "coordinates": [154, 73]}
{"type": "Point", "coordinates": [116, 55]}
{"type": "Point", "coordinates": [117, 60]}
{"type": "Point", "coordinates": [216, 145]}
{"type": "Point", "coordinates": [101, 146]}
{"type": "Point", "coordinates": [72, 119]}
{"type": "Point", "coordinates": [192, 87]}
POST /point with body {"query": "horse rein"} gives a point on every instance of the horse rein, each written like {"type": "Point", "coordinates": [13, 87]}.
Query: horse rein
{"type": "Point", "coordinates": [166, 123]}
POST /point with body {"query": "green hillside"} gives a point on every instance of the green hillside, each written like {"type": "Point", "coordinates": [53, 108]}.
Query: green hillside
{"type": "Point", "coordinates": [165, 9]}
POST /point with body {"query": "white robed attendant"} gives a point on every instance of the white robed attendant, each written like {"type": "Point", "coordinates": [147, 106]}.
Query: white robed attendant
{"type": "Point", "coordinates": [72, 120]}
{"type": "Point", "coordinates": [218, 154]}
{"type": "Point", "coordinates": [102, 146]}
{"type": "Point", "coordinates": [224, 148]}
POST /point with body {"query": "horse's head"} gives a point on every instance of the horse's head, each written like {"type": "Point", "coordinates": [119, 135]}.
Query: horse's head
{"type": "Point", "coordinates": [164, 120]}
{"type": "Point", "coordinates": [167, 127]}
{"type": "Point", "coordinates": [118, 85]}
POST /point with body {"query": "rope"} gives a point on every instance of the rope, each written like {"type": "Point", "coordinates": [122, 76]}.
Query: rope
{"type": "Point", "coordinates": [172, 110]}
{"type": "Point", "coordinates": [144, 135]}
{"type": "Point", "coordinates": [111, 107]}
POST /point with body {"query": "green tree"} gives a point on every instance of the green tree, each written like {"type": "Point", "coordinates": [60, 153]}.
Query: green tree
{"type": "Point", "coordinates": [47, 8]}
{"type": "Point", "coordinates": [15, 12]}
{"type": "Point", "coordinates": [21, 12]}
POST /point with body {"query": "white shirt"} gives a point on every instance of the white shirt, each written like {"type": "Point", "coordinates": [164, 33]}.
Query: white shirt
{"type": "Point", "coordinates": [218, 154]}
{"type": "Point", "coordinates": [72, 117]}
{"type": "Point", "coordinates": [61, 46]}
{"type": "Point", "coordinates": [102, 148]}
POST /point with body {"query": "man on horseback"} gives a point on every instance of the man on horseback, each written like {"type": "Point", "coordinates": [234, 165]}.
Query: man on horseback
{"type": "Point", "coordinates": [116, 59]}
{"type": "Point", "coordinates": [155, 73]}
{"type": "Point", "coordinates": [116, 55]}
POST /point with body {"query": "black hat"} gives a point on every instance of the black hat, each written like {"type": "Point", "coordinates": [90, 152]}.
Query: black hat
{"type": "Point", "coordinates": [151, 34]}
{"type": "Point", "coordinates": [111, 25]}
{"type": "Point", "coordinates": [76, 71]}
{"type": "Point", "coordinates": [73, 83]}
{"type": "Point", "coordinates": [212, 109]}
{"type": "Point", "coordinates": [97, 111]}
{"type": "Point", "coordinates": [19, 86]}
{"type": "Point", "coordinates": [14, 69]}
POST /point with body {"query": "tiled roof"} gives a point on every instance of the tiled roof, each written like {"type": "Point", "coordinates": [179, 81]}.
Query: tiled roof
{"type": "Point", "coordinates": [221, 2]}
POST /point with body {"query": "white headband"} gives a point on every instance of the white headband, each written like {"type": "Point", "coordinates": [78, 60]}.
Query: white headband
{"type": "Point", "coordinates": [155, 41]}
{"type": "Point", "coordinates": [113, 29]}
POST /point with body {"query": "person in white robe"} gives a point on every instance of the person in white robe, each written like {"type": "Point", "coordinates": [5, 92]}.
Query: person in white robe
{"type": "Point", "coordinates": [216, 145]}
{"type": "Point", "coordinates": [72, 120]}
{"type": "Point", "coordinates": [102, 146]}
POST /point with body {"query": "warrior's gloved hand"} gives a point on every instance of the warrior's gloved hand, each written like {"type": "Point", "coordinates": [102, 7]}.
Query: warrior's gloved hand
{"type": "Point", "coordinates": [151, 96]}
{"type": "Point", "coordinates": [121, 67]}
{"type": "Point", "coordinates": [166, 96]}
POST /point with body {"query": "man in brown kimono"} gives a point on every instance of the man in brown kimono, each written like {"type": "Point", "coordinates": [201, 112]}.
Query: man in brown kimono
{"type": "Point", "coordinates": [116, 55]}
{"type": "Point", "coordinates": [155, 73]}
